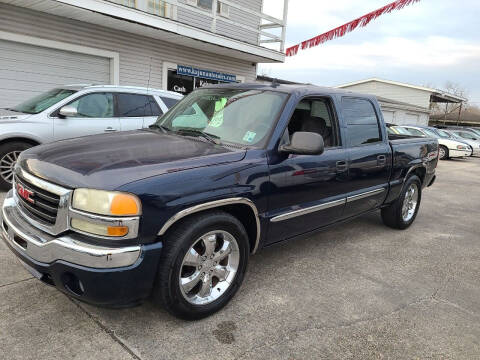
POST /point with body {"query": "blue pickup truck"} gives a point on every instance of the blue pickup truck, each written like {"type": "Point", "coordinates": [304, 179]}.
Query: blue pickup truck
{"type": "Point", "coordinates": [173, 212]}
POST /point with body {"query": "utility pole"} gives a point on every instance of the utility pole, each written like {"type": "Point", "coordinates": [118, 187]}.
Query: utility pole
{"type": "Point", "coordinates": [445, 118]}
{"type": "Point", "coordinates": [459, 112]}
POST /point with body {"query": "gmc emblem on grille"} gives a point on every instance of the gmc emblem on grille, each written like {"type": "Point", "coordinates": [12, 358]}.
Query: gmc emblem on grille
{"type": "Point", "coordinates": [25, 193]}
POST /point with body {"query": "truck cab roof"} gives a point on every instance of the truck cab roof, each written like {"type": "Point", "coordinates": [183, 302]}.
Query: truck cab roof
{"type": "Point", "coordinates": [294, 89]}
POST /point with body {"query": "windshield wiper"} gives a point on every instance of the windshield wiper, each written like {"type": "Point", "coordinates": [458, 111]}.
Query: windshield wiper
{"type": "Point", "coordinates": [210, 137]}
{"type": "Point", "coordinates": [162, 127]}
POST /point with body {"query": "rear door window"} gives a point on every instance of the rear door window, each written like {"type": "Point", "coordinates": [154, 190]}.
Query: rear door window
{"type": "Point", "coordinates": [152, 109]}
{"type": "Point", "coordinates": [363, 127]}
{"type": "Point", "coordinates": [133, 105]}
{"type": "Point", "coordinates": [169, 102]}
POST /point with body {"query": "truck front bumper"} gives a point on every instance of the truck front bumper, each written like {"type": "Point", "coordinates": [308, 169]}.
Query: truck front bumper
{"type": "Point", "coordinates": [95, 274]}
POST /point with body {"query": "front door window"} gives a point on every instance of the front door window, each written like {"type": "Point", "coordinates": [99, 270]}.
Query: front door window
{"type": "Point", "coordinates": [97, 105]}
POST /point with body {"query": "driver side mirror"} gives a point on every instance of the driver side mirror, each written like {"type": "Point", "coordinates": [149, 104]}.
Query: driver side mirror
{"type": "Point", "coordinates": [304, 143]}
{"type": "Point", "coordinates": [68, 111]}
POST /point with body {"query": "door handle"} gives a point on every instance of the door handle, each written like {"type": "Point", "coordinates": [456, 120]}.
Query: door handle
{"type": "Point", "coordinates": [381, 159]}
{"type": "Point", "coordinates": [342, 166]}
{"type": "Point", "coordinates": [110, 129]}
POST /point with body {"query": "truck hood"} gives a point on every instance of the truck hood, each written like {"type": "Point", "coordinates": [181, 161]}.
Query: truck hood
{"type": "Point", "coordinates": [9, 115]}
{"type": "Point", "coordinates": [112, 160]}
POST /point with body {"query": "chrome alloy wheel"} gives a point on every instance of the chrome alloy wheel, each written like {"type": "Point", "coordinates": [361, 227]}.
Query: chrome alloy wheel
{"type": "Point", "coordinates": [410, 203]}
{"type": "Point", "coordinates": [7, 164]}
{"type": "Point", "coordinates": [209, 267]}
{"type": "Point", "coordinates": [441, 153]}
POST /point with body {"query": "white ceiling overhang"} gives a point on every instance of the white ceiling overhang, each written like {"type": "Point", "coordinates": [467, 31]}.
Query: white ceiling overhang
{"type": "Point", "coordinates": [130, 20]}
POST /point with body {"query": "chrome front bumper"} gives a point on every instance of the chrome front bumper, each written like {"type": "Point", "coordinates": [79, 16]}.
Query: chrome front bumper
{"type": "Point", "coordinates": [40, 246]}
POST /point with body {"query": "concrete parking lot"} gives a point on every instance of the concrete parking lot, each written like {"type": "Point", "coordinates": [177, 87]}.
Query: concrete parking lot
{"type": "Point", "coordinates": [360, 290]}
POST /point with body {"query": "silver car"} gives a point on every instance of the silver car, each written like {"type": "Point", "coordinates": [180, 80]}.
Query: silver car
{"type": "Point", "coordinates": [74, 111]}
{"type": "Point", "coordinates": [469, 137]}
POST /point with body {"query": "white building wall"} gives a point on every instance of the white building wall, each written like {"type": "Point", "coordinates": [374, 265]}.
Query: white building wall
{"type": "Point", "coordinates": [141, 58]}
{"type": "Point", "coordinates": [395, 92]}
{"type": "Point", "coordinates": [191, 17]}
{"type": "Point", "coordinates": [401, 116]}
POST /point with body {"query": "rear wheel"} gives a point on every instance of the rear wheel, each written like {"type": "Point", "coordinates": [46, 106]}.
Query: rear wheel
{"type": "Point", "coordinates": [9, 153]}
{"type": "Point", "coordinates": [443, 152]}
{"type": "Point", "coordinates": [402, 213]}
{"type": "Point", "coordinates": [202, 265]}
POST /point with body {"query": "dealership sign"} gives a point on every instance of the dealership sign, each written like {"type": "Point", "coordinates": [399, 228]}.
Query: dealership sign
{"type": "Point", "coordinates": [205, 74]}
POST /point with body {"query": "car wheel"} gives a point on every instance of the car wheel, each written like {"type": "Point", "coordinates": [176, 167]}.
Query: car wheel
{"type": "Point", "coordinates": [402, 213]}
{"type": "Point", "coordinates": [202, 265]}
{"type": "Point", "coordinates": [443, 153]}
{"type": "Point", "coordinates": [9, 153]}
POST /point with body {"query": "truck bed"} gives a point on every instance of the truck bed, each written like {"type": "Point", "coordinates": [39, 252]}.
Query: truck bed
{"type": "Point", "coordinates": [408, 153]}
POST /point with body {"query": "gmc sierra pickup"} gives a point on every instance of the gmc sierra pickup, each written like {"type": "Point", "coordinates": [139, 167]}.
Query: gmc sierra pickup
{"type": "Point", "coordinates": [174, 211]}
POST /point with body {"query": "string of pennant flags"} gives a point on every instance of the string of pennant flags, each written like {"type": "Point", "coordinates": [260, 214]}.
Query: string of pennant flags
{"type": "Point", "coordinates": [348, 27]}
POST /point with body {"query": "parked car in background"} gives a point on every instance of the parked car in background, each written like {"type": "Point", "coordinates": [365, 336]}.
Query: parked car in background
{"type": "Point", "coordinates": [74, 111]}
{"type": "Point", "coordinates": [397, 130]}
{"type": "Point", "coordinates": [175, 211]}
{"type": "Point", "coordinates": [448, 147]}
{"type": "Point", "coordinates": [466, 136]}
{"type": "Point", "coordinates": [474, 130]}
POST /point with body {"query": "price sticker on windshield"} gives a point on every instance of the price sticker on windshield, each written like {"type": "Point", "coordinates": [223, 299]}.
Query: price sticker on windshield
{"type": "Point", "coordinates": [249, 136]}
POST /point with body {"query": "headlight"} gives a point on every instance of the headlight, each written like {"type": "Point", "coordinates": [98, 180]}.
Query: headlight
{"type": "Point", "coordinates": [102, 202]}
{"type": "Point", "coordinates": [108, 214]}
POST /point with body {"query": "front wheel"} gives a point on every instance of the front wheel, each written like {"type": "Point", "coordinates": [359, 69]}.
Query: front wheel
{"type": "Point", "coordinates": [402, 213]}
{"type": "Point", "coordinates": [443, 152]}
{"type": "Point", "coordinates": [9, 153]}
{"type": "Point", "coordinates": [202, 265]}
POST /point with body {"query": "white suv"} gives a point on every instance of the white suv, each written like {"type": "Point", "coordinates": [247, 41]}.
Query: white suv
{"type": "Point", "coordinates": [73, 111]}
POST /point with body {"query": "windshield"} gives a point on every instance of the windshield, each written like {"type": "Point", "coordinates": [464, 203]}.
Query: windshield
{"type": "Point", "coordinates": [443, 134]}
{"type": "Point", "coordinates": [475, 131]}
{"type": "Point", "coordinates": [456, 136]}
{"type": "Point", "coordinates": [243, 117]}
{"type": "Point", "coordinates": [466, 135]}
{"type": "Point", "coordinates": [43, 101]}
{"type": "Point", "coordinates": [431, 133]}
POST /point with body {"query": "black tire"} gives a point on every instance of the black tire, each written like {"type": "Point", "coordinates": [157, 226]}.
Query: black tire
{"type": "Point", "coordinates": [6, 152]}
{"type": "Point", "coordinates": [392, 215]}
{"type": "Point", "coordinates": [167, 291]}
{"type": "Point", "coordinates": [445, 150]}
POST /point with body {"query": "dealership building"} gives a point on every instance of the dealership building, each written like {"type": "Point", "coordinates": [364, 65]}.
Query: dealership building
{"type": "Point", "coordinates": [403, 104]}
{"type": "Point", "coordinates": [176, 45]}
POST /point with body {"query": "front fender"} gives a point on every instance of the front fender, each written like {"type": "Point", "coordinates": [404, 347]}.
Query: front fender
{"type": "Point", "coordinates": [36, 132]}
{"type": "Point", "coordinates": [169, 197]}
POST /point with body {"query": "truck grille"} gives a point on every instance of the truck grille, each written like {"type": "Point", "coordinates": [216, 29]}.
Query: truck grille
{"type": "Point", "coordinates": [43, 205]}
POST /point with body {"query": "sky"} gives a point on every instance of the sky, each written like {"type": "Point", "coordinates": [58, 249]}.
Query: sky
{"type": "Point", "coordinates": [428, 43]}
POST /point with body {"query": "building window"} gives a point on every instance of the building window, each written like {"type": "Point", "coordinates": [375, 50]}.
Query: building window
{"type": "Point", "coordinates": [222, 9]}
{"type": "Point", "coordinates": [180, 83]}
{"type": "Point", "coordinates": [205, 4]}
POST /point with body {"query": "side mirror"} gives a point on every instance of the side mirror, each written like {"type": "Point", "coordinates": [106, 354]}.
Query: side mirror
{"type": "Point", "coordinates": [68, 111]}
{"type": "Point", "coordinates": [304, 143]}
